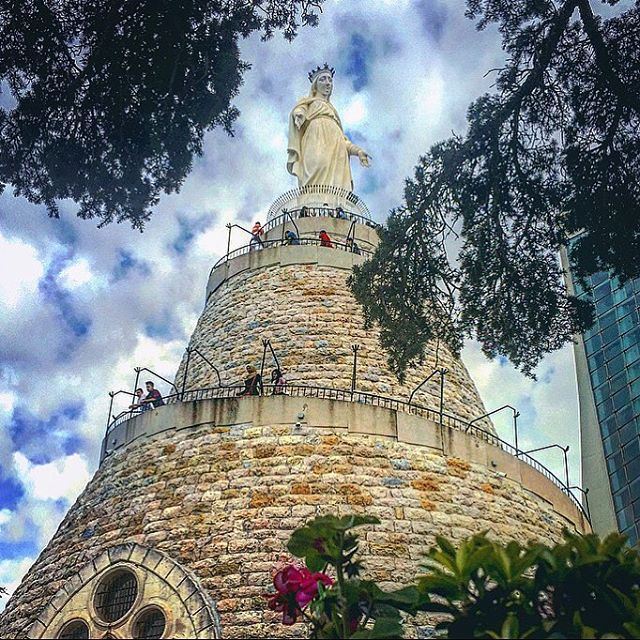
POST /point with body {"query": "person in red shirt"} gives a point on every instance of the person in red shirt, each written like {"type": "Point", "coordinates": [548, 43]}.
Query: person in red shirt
{"type": "Point", "coordinates": [325, 240]}
{"type": "Point", "coordinates": [256, 232]}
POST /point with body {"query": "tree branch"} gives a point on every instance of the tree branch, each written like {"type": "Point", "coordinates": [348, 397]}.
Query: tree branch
{"type": "Point", "coordinates": [549, 46]}
{"type": "Point", "coordinates": [603, 59]}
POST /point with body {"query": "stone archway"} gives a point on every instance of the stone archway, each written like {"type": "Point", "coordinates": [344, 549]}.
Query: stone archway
{"type": "Point", "coordinates": [153, 581]}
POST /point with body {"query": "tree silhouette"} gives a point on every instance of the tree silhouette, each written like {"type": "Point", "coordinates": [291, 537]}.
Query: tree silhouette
{"type": "Point", "coordinates": [552, 155]}
{"type": "Point", "coordinates": [110, 100]}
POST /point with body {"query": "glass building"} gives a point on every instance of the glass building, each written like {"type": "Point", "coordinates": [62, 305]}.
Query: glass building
{"type": "Point", "coordinates": [608, 373]}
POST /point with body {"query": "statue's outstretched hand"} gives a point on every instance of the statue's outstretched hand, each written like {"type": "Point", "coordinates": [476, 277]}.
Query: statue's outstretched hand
{"type": "Point", "coordinates": [365, 158]}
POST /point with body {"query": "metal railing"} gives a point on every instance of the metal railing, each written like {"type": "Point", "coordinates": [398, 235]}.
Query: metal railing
{"type": "Point", "coordinates": [268, 244]}
{"type": "Point", "coordinates": [347, 395]}
{"type": "Point", "coordinates": [318, 212]}
{"type": "Point", "coordinates": [328, 192]}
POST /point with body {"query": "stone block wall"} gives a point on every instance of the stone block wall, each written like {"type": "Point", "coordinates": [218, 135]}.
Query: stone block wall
{"type": "Point", "coordinates": [221, 501]}
{"type": "Point", "coordinates": [308, 312]}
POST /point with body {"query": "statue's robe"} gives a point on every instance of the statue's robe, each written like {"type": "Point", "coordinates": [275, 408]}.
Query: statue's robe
{"type": "Point", "coordinates": [318, 152]}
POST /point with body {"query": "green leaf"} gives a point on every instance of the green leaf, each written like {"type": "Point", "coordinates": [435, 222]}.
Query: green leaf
{"type": "Point", "coordinates": [510, 627]}
{"type": "Point", "coordinates": [314, 561]}
{"type": "Point", "coordinates": [383, 628]}
{"type": "Point", "coordinates": [301, 541]}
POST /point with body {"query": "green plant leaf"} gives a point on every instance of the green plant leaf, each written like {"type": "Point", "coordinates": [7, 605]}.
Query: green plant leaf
{"type": "Point", "coordinates": [383, 628]}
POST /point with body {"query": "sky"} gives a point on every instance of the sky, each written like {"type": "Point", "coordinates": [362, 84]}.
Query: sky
{"type": "Point", "coordinates": [81, 306]}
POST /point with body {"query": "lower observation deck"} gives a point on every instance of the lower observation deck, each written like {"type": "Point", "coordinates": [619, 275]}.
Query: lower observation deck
{"type": "Point", "coordinates": [357, 413]}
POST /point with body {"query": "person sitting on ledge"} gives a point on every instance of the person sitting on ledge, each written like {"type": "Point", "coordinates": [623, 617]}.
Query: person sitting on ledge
{"type": "Point", "coordinates": [325, 240]}
{"type": "Point", "coordinates": [252, 384]}
{"type": "Point", "coordinates": [351, 245]}
{"type": "Point", "coordinates": [340, 214]}
{"type": "Point", "coordinates": [153, 397]}
{"type": "Point", "coordinates": [278, 382]}
{"type": "Point", "coordinates": [291, 238]}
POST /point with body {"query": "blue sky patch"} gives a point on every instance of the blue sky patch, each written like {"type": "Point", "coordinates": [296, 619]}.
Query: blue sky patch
{"type": "Point", "coordinates": [12, 550]}
{"type": "Point", "coordinates": [359, 54]}
{"type": "Point", "coordinates": [11, 492]}
{"type": "Point", "coordinates": [189, 229]}
{"type": "Point", "coordinates": [62, 300]}
{"type": "Point", "coordinates": [433, 16]}
{"type": "Point", "coordinates": [163, 327]}
{"type": "Point", "coordinates": [127, 262]}
{"type": "Point", "coordinates": [45, 440]}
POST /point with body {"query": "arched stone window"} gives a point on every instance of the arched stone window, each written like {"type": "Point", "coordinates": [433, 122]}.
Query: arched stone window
{"type": "Point", "coordinates": [74, 630]}
{"type": "Point", "coordinates": [129, 591]}
{"type": "Point", "coordinates": [150, 623]}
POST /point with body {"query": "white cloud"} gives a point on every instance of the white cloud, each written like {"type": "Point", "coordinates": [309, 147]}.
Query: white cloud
{"type": "Point", "coordinates": [355, 111]}
{"type": "Point", "coordinates": [62, 478]}
{"type": "Point", "coordinates": [21, 269]}
{"type": "Point", "coordinates": [76, 274]}
{"type": "Point", "coordinates": [11, 572]}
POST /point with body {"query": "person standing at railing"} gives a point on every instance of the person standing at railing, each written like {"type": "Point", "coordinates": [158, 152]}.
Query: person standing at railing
{"type": "Point", "coordinates": [278, 382]}
{"type": "Point", "coordinates": [252, 384]}
{"type": "Point", "coordinates": [138, 402]}
{"type": "Point", "coordinates": [291, 238]}
{"type": "Point", "coordinates": [350, 245]}
{"type": "Point", "coordinates": [340, 214]}
{"type": "Point", "coordinates": [325, 240]}
{"type": "Point", "coordinates": [256, 232]}
{"type": "Point", "coordinates": [153, 397]}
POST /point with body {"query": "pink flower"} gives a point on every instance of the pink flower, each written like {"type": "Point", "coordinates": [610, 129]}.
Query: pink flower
{"type": "Point", "coordinates": [295, 587]}
{"type": "Point", "coordinates": [308, 589]}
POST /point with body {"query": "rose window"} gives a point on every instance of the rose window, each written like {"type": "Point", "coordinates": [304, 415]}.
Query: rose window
{"type": "Point", "coordinates": [116, 594]}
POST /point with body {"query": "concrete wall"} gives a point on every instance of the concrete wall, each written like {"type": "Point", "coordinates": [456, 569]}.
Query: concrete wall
{"type": "Point", "coordinates": [594, 476]}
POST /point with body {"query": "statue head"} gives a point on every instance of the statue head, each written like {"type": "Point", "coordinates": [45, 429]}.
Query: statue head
{"type": "Point", "coordinates": [321, 79]}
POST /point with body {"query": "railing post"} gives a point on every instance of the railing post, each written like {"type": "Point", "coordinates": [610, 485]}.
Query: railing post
{"type": "Point", "coordinates": [111, 394]}
{"type": "Point", "coordinates": [354, 348]}
{"type": "Point", "coordinates": [515, 429]}
{"type": "Point", "coordinates": [443, 373]}
{"type": "Point", "coordinates": [229, 226]}
{"type": "Point", "coordinates": [184, 375]}
{"type": "Point", "coordinates": [105, 443]}
{"type": "Point", "coordinates": [215, 369]}
{"type": "Point", "coordinates": [264, 355]}
{"type": "Point", "coordinates": [566, 465]}
{"type": "Point", "coordinates": [135, 386]}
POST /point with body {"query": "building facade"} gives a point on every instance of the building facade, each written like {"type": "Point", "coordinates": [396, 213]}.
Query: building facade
{"type": "Point", "coordinates": [608, 375]}
{"type": "Point", "coordinates": [188, 515]}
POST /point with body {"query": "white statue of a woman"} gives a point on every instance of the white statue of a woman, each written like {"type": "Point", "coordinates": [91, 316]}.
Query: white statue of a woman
{"type": "Point", "coordinates": [318, 151]}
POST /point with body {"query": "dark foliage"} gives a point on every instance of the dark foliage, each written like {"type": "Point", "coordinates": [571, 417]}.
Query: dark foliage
{"type": "Point", "coordinates": [553, 152]}
{"type": "Point", "coordinates": [582, 588]}
{"type": "Point", "coordinates": [111, 99]}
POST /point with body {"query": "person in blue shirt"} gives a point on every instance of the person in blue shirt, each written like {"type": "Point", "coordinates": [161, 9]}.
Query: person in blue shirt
{"type": "Point", "coordinates": [291, 238]}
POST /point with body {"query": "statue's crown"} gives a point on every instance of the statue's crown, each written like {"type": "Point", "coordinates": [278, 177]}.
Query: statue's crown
{"type": "Point", "coordinates": [317, 70]}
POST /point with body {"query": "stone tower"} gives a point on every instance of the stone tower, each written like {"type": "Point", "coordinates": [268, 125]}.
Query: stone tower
{"type": "Point", "coordinates": [189, 512]}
